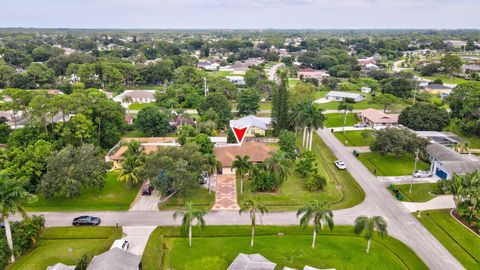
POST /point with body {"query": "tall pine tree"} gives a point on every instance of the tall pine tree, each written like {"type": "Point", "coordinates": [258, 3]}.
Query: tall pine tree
{"type": "Point", "coordinates": [280, 104]}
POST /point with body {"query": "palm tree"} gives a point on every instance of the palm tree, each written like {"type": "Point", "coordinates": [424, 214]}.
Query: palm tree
{"type": "Point", "coordinates": [313, 118]}
{"type": "Point", "coordinates": [135, 149]}
{"type": "Point", "coordinates": [189, 215]}
{"type": "Point", "coordinates": [129, 170]}
{"type": "Point", "coordinates": [127, 99]}
{"type": "Point", "coordinates": [462, 147]}
{"type": "Point", "coordinates": [369, 225]}
{"type": "Point", "coordinates": [12, 198]}
{"type": "Point", "coordinates": [318, 213]}
{"type": "Point", "coordinates": [279, 165]}
{"type": "Point", "coordinates": [345, 107]}
{"type": "Point", "coordinates": [253, 206]}
{"type": "Point", "coordinates": [212, 164]}
{"type": "Point", "coordinates": [243, 166]}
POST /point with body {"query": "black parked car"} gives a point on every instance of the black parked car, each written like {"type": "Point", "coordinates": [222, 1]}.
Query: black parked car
{"type": "Point", "coordinates": [86, 221]}
{"type": "Point", "coordinates": [147, 191]}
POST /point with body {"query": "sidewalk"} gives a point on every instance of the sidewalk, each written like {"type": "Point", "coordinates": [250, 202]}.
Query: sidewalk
{"type": "Point", "coordinates": [440, 202]}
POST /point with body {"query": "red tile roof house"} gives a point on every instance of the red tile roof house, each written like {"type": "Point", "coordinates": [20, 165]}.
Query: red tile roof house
{"type": "Point", "coordinates": [257, 152]}
{"type": "Point", "coordinates": [378, 119]}
{"type": "Point", "coordinates": [306, 73]}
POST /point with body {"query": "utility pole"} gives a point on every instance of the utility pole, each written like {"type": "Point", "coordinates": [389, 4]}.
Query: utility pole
{"type": "Point", "coordinates": [415, 92]}
{"type": "Point", "coordinates": [414, 169]}
{"type": "Point", "coordinates": [205, 85]}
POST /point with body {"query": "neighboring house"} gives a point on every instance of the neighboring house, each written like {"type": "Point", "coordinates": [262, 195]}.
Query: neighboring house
{"type": "Point", "coordinates": [445, 162]}
{"type": "Point", "coordinates": [366, 61]}
{"type": "Point", "coordinates": [366, 90]}
{"type": "Point", "coordinates": [136, 96]}
{"type": "Point", "coordinates": [341, 96]}
{"type": "Point", "coordinates": [251, 262]}
{"type": "Point", "coordinates": [129, 118]}
{"type": "Point", "coordinates": [60, 266]}
{"type": "Point", "coordinates": [257, 125]}
{"type": "Point", "coordinates": [445, 138]}
{"type": "Point", "coordinates": [181, 121]}
{"type": "Point", "coordinates": [455, 43]}
{"type": "Point", "coordinates": [240, 67]}
{"type": "Point", "coordinates": [116, 259]}
{"type": "Point", "coordinates": [238, 80]}
{"type": "Point", "coordinates": [14, 120]}
{"type": "Point", "coordinates": [257, 152]}
{"type": "Point", "coordinates": [378, 119]}
{"type": "Point", "coordinates": [372, 67]}
{"type": "Point", "coordinates": [437, 89]}
{"type": "Point", "coordinates": [312, 73]}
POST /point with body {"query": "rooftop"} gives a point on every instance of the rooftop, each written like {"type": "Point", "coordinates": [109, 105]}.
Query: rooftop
{"type": "Point", "coordinates": [443, 153]}
{"type": "Point", "coordinates": [461, 167]}
{"type": "Point", "coordinates": [251, 262]}
{"type": "Point", "coordinates": [115, 259]}
{"type": "Point", "coordinates": [343, 94]}
{"type": "Point", "coordinates": [253, 121]}
{"type": "Point", "coordinates": [377, 116]}
{"type": "Point", "coordinates": [257, 152]}
{"type": "Point", "coordinates": [136, 94]}
{"type": "Point", "coordinates": [438, 86]}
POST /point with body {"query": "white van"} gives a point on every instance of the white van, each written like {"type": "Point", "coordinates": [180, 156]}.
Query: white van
{"type": "Point", "coordinates": [121, 244]}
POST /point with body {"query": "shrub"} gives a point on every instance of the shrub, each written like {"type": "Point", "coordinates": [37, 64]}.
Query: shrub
{"type": "Point", "coordinates": [315, 182]}
{"type": "Point", "coordinates": [306, 164]}
{"type": "Point", "coordinates": [264, 181]}
{"type": "Point", "coordinates": [24, 234]}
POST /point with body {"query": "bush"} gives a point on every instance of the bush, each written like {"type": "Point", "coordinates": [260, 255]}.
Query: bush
{"type": "Point", "coordinates": [315, 182]}
{"type": "Point", "coordinates": [82, 263]}
{"type": "Point", "coordinates": [24, 234]}
{"type": "Point", "coordinates": [306, 164]}
{"type": "Point", "coordinates": [264, 181]}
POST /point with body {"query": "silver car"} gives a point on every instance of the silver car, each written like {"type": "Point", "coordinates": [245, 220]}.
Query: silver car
{"type": "Point", "coordinates": [422, 174]}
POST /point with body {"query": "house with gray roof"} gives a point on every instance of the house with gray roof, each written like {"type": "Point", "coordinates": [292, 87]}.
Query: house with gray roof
{"type": "Point", "coordinates": [257, 125]}
{"type": "Point", "coordinates": [341, 96]}
{"type": "Point", "coordinates": [115, 259]}
{"type": "Point", "coordinates": [251, 262]}
{"type": "Point", "coordinates": [445, 162]}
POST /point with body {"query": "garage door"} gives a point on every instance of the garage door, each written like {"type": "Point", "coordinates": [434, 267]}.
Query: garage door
{"type": "Point", "coordinates": [441, 174]}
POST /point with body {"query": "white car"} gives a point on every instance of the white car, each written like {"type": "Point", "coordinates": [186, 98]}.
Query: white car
{"type": "Point", "coordinates": [360, 125]}
{"type": "Point", "coordinates": [121, 244]}
{"type": "Point", "coordinates": [340, 165]}
{"type": "Point", "coordinates": [422, 174]}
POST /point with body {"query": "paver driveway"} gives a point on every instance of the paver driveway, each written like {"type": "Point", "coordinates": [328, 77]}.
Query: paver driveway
{"type": "Point", "coordinates": [226, 193]}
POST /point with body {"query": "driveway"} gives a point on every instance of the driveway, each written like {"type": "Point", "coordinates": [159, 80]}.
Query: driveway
{"type": "Point", "coordinates": [145, 203]}
{"type": "Point", "coordinates": [137, 237]}
{"type": "Point", "coordinates": [272, 72]}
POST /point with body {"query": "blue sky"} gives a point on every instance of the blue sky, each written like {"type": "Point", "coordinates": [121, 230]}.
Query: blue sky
{"type": "Point", "coordinates": [253, 14]}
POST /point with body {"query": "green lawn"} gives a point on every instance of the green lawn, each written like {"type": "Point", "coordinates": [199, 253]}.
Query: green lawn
{"type": "Point", "coordinates": [444, 78]}
{"type": "Point", "coordinates": [292, 82]}
{"type": "Point", "coordinates": [336, 120]}
{"type": "Point", "coordinates": [199, 197]}
{"type": "Point", "coordinates": [461, 242]}
{"type": "Point", "coordinates": [473, 141]}
{"type": "Point", "coordinates": [355, 138]}
{"type": "Point", "coordinates": [420, 192]}
{"type": "Point", "coordinates": [266, 105]}
{"type": "Point", "coordinates": [115, 195]}
{"type": "Point", "coordinates": [292, 194]}
{"type": "Point", "coordinates": [139, 106]}
{"type": "Point", "coordinates": [221, 73]}
{"type": "Point", "coordinates": [388, 165]}
{"type": "Point", "coordinates": [333, 105]}
{"type": "Point", "coordinates": [217, 247]}
{"type": "Point", "coordinates": [53, 245]}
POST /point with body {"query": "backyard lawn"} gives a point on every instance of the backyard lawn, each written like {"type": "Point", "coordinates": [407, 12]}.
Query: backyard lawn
{"type": "Point", "coordinates": [422, 192]}
{"type": "Point", "coordinates": [293, 195]}
{"type": "Point", "coordinates": [53, 245]}
{"type": "Point", "coordinates": [388, 165]}
{"type": "Point", "coordinates": [217, 247]}
{"type": "Point", "coordinates": [292, 82]}
{"type": "Point", "coordinates": [134, 134]}
{"type": "Point", "coordinates": [115, 195]}
{"type": "Point", "coordinates": [355, 138]}
{"type": "Point", "coordinates": [333, 105]}
{"type": "Point", "coordinates": [462, 243]}
{"type": "Point", "coordinates": [199, 197]}
{"type": "Point", "coordinates": [139, 106]}
{"type": "Point", "coordinates": [336, 120]}
{"type": "Point", "coordinates": [473, 141]}
{"type": "Point", "coordinates": [265, 105]}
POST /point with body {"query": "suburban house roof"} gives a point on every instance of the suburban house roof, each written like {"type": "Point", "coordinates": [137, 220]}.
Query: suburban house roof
{"type": "Point", "coordinates": [461, 167]}
{"type": "Point", "coordinates": [251, 262]}
{"type": "Point", "coordinates": [136, 94]}
{"type": "Point", "coordinates": [343, 94]}
{"type": "Point", "coordinates": [257, 152]}
{"type": "Point", "coordinates": [60, 266]}
{"type": "Point", "coordinates": [443, 153]}
{"type": "Point", "coordinates": [115, 259]}
{"type": "Point", "coordinates": [253, 121]}
{"type": "Point", "coordinates": [377, 116]}
{"type": "Point", "coordinates": [437, 87]}
{"type": "Point", "coordinates": [311, 71]}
